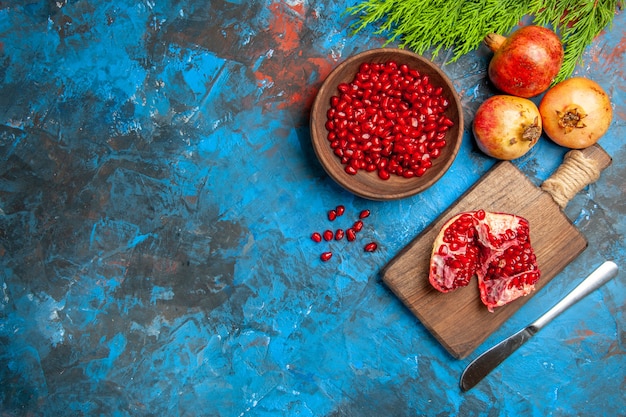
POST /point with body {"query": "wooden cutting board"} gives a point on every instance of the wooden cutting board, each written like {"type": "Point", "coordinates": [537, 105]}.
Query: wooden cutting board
{"type": "Point", "coordinates": [458, 319]}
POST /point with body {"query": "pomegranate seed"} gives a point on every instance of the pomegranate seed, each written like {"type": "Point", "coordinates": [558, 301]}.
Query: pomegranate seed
{"type": "Point", "coordinates": [316, 237]}
{"type": "Point", "coordinates": [358, 226]}
{"type": "Point", "coordinates": [328, 235]}
{"type": "Point", "coordinates": [383, 174]}
{"type": "Point", "coordinates": [420, 171]}
{"type": "Point", "coordinates": [364, 213]}
{"type": "Point", "coordinates": [350, 234]}
{"type": "Point", "coordinates": [340, 210]}
{"type": "Point", "coordinates": [339, 233]}
{"type": "Point", "coordinates": [325, 256]}
{"type": "Point", "coordinates": [332, 215]}
{"type": "Point", "coordinates": [371, 247]}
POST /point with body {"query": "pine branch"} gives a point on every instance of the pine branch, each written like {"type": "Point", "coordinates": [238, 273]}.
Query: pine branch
{"type": "Point", "coordinates": [461, 25]}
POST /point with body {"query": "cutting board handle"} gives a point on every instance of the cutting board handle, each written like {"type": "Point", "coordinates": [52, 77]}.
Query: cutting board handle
{"type": "Point", "coordinates": [579, 169]}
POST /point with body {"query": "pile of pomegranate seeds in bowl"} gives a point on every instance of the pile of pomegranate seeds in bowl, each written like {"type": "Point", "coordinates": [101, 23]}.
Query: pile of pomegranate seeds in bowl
{"type": "Point", "coordinates": [386, 124]}
{"type": "Point", "coordinates": [350, 232]}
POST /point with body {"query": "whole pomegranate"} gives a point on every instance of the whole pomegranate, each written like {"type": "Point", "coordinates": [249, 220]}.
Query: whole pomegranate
{"type": "Point", "coordinates": [526, 63]}
{"type": "Point", "coordinates": [576, 112]}
{"type": "Point", "coordinates": [493, 246]}
{"type": "Point", "coordinates": [506, 127]}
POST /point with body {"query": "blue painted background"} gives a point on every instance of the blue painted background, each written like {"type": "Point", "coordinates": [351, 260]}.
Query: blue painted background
{"type": "Point", "coordinates": [157, 193]}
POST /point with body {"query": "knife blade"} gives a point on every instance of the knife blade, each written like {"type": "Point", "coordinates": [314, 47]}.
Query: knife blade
{"type": "Point", "coordinates": [491, 358]}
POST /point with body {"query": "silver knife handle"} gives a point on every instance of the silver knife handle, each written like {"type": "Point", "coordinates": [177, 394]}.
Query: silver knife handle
{"type": "Point", "coordinates": [595, 280]}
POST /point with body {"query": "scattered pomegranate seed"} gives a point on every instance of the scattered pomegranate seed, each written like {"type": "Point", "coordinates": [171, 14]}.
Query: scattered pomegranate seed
{"type": "Point", "coordinates": [326, 256]}
{"type": "Point", "coordinates": [338, 234]}
{"type": "Point", "coordinates": [371, 247]}
{"type": "Point", "coordinates": [389, 119]}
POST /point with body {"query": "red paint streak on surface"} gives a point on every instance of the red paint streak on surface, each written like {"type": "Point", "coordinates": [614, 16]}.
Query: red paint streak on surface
{"type": "Point", "coordinates": [616, 56]}
{"type": "Point", "coordinates": [324, 66]}
{"type": "Point", "coordinates": [614, 350]}
{"type": "Point", "coordinates": [286, 25]}
{"type": "Point", "coordinates": [263, 78]}
{"type": "Point", "coordinates": [582, 335]}
{"type": "Point", "coordinates": [288, 72]}
{"type": "Point", "coordinates": [294, 74]}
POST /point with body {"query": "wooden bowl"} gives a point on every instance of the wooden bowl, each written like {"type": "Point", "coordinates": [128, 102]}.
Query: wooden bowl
{"type": "Point", "coordinates": [368, 184]}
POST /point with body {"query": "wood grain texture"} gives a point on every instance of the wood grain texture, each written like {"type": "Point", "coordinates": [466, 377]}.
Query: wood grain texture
{"type": "Point", "coordinates": [458, 319]}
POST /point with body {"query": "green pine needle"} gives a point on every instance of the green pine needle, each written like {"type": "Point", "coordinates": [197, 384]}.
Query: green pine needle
{"type": "Point", "coordinates": [461, 25]}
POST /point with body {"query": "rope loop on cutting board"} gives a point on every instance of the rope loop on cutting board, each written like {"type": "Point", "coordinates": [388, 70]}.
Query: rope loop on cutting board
{"type": "Point", "coordinates": [575, 173]}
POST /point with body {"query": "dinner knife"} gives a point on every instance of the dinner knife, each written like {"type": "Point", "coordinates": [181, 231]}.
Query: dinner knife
{"type": "Point", "coordinates": [491, 358]}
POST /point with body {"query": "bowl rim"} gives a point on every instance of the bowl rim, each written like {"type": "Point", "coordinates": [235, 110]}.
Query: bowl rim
{"type": "Point", "coordinates": [348, 181]}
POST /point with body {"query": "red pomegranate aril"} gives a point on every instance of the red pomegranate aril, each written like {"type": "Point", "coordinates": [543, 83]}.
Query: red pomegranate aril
{"type": "Point", "coordinates": [339, 234]}
{"type": "Point", "coordinates": [332, 215]}
{"type": "Point", "coordinates": [420, 171]}
{"type": "Point", "coordinates": [350, 234]}
{"type": "Point", "coordinates": [438, 144]}
{"type": "Point", "coordinates": [430, 126]}
{"type": "Point", "coordinates": [325, 256]}
{"type": "Point", "coordinates": [340, 210]}
{"type": "Point", "coordinates": [371, 247]}
{"type": "Point", "coordinates": [383, 174]}
{"type": "Point", "coordinates": [358, 226]}
{"type": "Point", "coordinates": [364, 214]}
{"type": "Point", "coordinates": [328, 235]}
{"type": "Point", "coordinates": [316, 237]}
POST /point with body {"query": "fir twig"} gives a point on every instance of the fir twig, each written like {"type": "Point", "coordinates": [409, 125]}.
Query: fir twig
{"type": "Point", "coordinates": [461, 25]}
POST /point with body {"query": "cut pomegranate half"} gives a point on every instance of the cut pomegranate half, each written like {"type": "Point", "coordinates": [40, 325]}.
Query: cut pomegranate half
{"type": "Point", "coordinates": [493, 246]}
{"type": "Point", "coordinates": [455, 253]}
